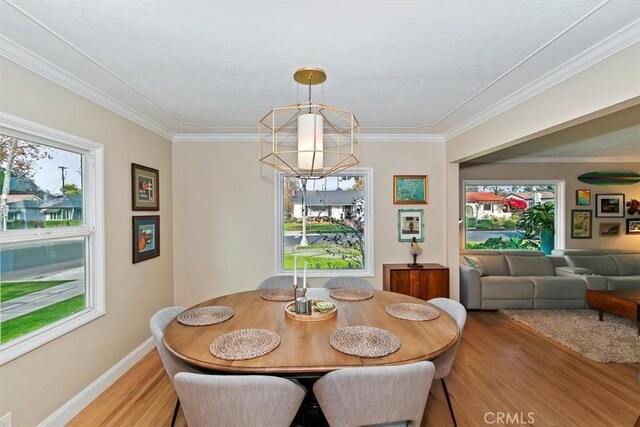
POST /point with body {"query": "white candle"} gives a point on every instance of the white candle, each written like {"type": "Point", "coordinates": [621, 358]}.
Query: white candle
{"type": "Point", "coordinates": [295, 270]}
{"type": "Point", "coordinates": [304, 278]}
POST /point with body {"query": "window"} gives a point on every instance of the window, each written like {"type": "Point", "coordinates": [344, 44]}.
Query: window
{"type": "Point", "coordinates": [51, 235]}
{"type": "Point", "coordinates": [500, 227]}
{"type": "Point", "coordinates": [337, 225]}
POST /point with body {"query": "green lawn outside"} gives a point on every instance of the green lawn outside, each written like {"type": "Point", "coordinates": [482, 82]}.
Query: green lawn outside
{"type": "Point", "coordinates": [11, 290]}
{"type": "Point", "coordinates": [30, 322]}
{"type": "Point", "coordinates": [315, 262]}
{"type": "Point", "coordinates": [317, 227]}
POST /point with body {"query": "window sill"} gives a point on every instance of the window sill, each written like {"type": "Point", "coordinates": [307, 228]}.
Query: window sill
{"type": "Point", "coordinates": [23, 345]}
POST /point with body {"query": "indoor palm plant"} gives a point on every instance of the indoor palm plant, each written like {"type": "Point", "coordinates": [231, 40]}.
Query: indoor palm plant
{"type": "Point", "coordinates": [539, 220]}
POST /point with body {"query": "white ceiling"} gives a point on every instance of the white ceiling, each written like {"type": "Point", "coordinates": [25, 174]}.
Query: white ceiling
{"type": "Point", "coordinates": [427, 70]}
{"type": "Point", "coordinates": [204, 67]}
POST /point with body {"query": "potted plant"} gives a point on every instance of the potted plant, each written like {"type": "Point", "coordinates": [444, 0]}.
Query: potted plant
{"type": "Point", "coordinates": [539, 220]}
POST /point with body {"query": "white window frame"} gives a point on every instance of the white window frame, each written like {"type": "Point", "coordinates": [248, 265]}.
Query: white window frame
{"type": "Point", "coordinates": [368, 271]}
{"type": "Point", "coordinates": [560, 202]}
{"type": "Point", "coordinates": [92, 231]}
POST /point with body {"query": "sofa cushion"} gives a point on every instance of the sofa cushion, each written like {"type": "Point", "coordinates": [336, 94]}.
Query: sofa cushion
{"type": "Point", "coordinates": [559, 287]}
{"type": "Point", "coordinates": [599, 264]}
{"type": "Point", "coordinates": [623, 283]}
{"type": "Point", "coordinates": [506, 287]}
{"type": "Point", "coordinates": [530, 266]}
{"type": "Point", "coordinates": [474, 262]}
{"type": "Point", "coordinates": [494, 265]}
{"type": "Point", "coordinates": [628, 264]}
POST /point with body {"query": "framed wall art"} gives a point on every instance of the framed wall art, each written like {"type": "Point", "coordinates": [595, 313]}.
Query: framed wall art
{"type": "Point", "coordinates": [145, 188]}
{"type": "Point", "coordinates": [146, 237]}
{"type": "Point", "coordinates": [608, 229]}
{"type": "Point", "coordinates": [610, 205]}
{"type": "Point", "coordinates": [410, 189]}
{"type": "Point", "coordinates": [583, 197]}
{"type": "Point", "coordinates": [410, 225]}
{"type": "Point", "coordinates": [633, 226]}
{"type": "Point", "coordinates": [581, 220]}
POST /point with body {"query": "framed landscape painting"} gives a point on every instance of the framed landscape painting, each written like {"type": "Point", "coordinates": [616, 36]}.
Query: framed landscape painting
{"type": "Point", "coordinates": [583, 197]}
{"type": "Point", "coordinates": [146, 237]}
{"type": "Point", "coordinates": [609, 229]}
{"type": "Point", "coordinates": [410, 189]}
{"type": "Point", "coordinates": [145, 188]}
{"type": "Point", "coordinates": [410, 225]}
{"type": "Point", "coordinates": [610, 205]}
{"type": "Point", "coordinates": [633, 226]}
{"type": "Point", "coordinates": [581, 220]}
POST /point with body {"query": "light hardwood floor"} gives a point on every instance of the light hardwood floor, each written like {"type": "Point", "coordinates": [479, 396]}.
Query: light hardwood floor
{"type": "Point", "coordinates": [502, 367]}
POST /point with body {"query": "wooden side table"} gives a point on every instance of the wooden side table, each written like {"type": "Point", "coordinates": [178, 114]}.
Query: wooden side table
{"type": "Point", "coordinates": [430, 281]}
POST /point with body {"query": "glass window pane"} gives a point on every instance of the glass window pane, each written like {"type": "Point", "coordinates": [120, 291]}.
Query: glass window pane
{"type": "Point", "coordinates": [40, 283]}
{"type": "Point", "coordinates": [494, 214]}
{"type": "Point", "coordinates": [41, 185]}
{"type": "Point", "coordinates": [330, 235]}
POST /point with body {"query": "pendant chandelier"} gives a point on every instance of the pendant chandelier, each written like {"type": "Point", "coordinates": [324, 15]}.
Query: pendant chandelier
{"type": "Point", "coordinates": [309, 140]}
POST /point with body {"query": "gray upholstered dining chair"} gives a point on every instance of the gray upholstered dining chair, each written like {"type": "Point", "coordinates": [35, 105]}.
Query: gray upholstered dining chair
{"type": "Point", "coordinates": [347, 282]}
{"type": "Point", "coordinates": [375, 395]}
{"type": "Point", "coordinates": [444, 362]}
{"type": "Point", "coordinates": [172, 364]}
{"type": "Point", "coordinates": [243, 400]}
{"type": "Point", "coordinates": [278, 282]}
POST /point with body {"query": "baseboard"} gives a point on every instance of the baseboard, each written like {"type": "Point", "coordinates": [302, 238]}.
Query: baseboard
{"type": "Point", "coordinates": [81, 400]}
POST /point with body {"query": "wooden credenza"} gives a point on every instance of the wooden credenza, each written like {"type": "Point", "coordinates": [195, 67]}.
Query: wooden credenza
{"type": "Point", "coordinates": [430, 281]}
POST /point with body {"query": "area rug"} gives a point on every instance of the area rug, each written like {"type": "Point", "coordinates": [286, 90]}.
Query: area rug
{"type": "Point", "coordinates": [613, 340]}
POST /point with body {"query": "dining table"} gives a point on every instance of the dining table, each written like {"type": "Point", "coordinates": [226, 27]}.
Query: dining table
{"type": "Point", "coordinates": [305, 348]}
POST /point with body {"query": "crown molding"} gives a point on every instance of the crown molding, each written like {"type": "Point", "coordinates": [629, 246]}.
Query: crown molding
{"type": "Point", "coordinates": [567, 159]}
{"type": "Point", "coordinates": [215, 137]}
{"type": "Point", "coordinates": [253, 138]}
{"type": "Point", "coordinates": [613, 44]}
{"type": "Point", "coordinates": [399, 137]}
{"type": "Point", "coordinates": [24, 57]}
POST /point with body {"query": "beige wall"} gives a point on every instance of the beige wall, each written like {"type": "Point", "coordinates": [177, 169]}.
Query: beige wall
{"type": "Point", "coordinates": [38, 383]}
{"type": "Point", "coordinates": [569, 173]}
{"type": "Point", "coordinates": [224, 214]}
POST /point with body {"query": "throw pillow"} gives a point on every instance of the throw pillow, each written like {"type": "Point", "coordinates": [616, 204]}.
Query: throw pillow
{"type": "Point", "coordinates": [474, 262]}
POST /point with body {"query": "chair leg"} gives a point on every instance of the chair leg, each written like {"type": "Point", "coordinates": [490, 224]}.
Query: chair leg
{"type": "Point", "coordinates": [175, 413]}
{"type": "Point", "coordinates": [446, 394]}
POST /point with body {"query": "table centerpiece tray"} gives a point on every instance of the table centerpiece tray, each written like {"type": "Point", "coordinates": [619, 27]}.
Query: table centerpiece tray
{"type": "Point", "coordinates": [315, 316]}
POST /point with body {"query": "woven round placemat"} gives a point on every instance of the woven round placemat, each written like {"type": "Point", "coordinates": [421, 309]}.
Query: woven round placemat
{"type": "Point", "coordinates": [364, 341]}
{"type": "Point", "coordinates": [409, 311]}
{"type": "Point", "coordinates": [278, 294]}
{"type": "Point", "coordinates": [202, 316]}
{"type": "Point", "coordinates": [244, 344]}
{"type": "Point", "coordinates": [351, 294]}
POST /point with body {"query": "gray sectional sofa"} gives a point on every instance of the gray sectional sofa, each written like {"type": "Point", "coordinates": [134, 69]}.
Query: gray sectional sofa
{"type": "Point", "coordinates": [602, 270]}
{"type": "Point", "coordinates": [529, 279]}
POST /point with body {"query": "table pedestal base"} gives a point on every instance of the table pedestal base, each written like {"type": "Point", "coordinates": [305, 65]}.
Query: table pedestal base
{"type": "Point", "coordinates": [310, 414]}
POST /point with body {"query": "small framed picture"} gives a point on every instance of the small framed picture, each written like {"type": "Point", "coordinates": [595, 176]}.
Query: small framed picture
{"type": "Point", "coordinates": [410, 189]}
{"type": "Point", "coordinates": [633, 226]}
{"type": "Point", "coordinates": [581, 220]}
{"type": "Point", "coordinates": [146, 237]}
{"type": "Point", "coordinates": [145, 188]}
{"type": "Point", "coordinates": [410, 225]}
{"type": "Point", "coordinates": [609, 229]}
{"type": "Point", "coordinates": [583, 197]}
{"type": "Point", "coordinates": [610, 205]}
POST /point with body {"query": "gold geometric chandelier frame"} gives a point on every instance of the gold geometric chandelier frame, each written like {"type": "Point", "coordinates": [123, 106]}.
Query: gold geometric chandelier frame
{"type": "Point", "coordinates": [278, 136]}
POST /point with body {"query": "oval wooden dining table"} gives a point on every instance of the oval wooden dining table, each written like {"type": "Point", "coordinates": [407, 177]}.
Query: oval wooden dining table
{"type": "Point", "coordinates": [304, 347]}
